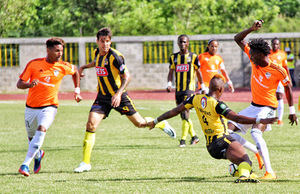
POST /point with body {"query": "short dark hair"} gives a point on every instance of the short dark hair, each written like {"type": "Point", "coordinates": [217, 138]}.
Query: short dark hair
{"type": "Point", "coordinates": [260, 45]}
{"type": "Point", "coordinates": [208, 43]}
{"type": "Point", "coordinates": [272, 41]}
{"type": "Point", "coordinates": [54, 41]}
{"type": "Point", "coordinates": [183, 35]}
{"type": "Point", "coordinates": [104, 32]}
{"type": "Point", "coordinates": [217, 82]}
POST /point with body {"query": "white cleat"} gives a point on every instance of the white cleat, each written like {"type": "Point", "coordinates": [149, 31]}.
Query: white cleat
{"type": "Point", "coordinates": [83, 167]}
{"type": "Point", "coordinates": [166, 127]}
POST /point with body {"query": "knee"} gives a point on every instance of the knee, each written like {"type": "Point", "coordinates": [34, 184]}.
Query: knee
{"type": "Point", "coordinates": [90, 127]}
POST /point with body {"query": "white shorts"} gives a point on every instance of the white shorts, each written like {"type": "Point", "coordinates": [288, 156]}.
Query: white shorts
{"type": "Point", "coordinates": [255, 111]}
{"type": "Point", "coordinates": [280, 88]}
{"type": "Point", "coordinates": [37, 117]}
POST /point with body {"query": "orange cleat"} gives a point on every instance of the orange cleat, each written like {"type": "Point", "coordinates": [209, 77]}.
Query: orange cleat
{"type": "Point", "coordinates": [260, 161]}
{"type": "Point", "coordinates": [269, 176]}
{"type": "Point", "coordinates": [280, 122]}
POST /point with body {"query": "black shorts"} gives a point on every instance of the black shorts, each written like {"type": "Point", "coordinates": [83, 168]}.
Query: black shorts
{"type": "Point", "coordinates": [102, 104]}
{"type": "Point", "coordinates": [218, 147]}
{"type": "Point", "coordinates": [182, 96]}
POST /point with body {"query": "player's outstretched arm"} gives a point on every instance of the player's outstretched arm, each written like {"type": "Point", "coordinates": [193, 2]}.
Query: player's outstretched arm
{"type": "Point", "coordinates": [249, 120]}
{"type": "Point", "coordinates": [289, 96]}
{"type": "Point", "coordinates": [239, 38]}
{"type": "Point", "coordinates": [169, 114]}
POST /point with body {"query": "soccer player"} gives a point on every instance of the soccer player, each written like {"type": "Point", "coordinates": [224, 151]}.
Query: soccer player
{"type": "Point", "coordinates": [212, 115]}
{"type": "Point", "coordinates": [279, 57]}
{"type": "Point", "coordinates": [265, 78]}
{"type": "Point", "coordinates": [43, 76]}
{"type": "Point", "coordinates": [112, 77]}
{"type": "Point", "coordinates": [185, 64]}
{"type": "Point", "coordinates": [211, 64]}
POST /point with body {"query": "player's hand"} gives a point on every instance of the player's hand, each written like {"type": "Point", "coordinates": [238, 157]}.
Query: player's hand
{"type": "Point", "coordinates": [77, 97]}
{"type": "Point", "coordinates": [204, 90]}
{"type": "Point", "coordinates": [269, 120]}
{"type": "Point", "coordinates": [80, 71]}
{"type": "Point", "coordinates": [34, 83]}
{"type": "Point", "coordinates": [231, 88]}
{"type": "Point", "coordinates": [151, 125]}
{"type": "Point", "coordinates": [116, 100]}
{"type": "Point", "coordinates": [257, 24]}
{"type": "Point", "coordinates": [169, 89]}
{"type": "Point", "coordinates": [293, 119]}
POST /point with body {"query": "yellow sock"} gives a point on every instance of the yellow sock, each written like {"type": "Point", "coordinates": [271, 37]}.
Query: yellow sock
{"type": "Point", "coordinates": [244, 169]}
{"type": "Point", "coordinates": [185, 129]}
{"type": "Point", "coordinates": [88, 144]}
{"type": "Point", "coordinates": [299, 104]}
{"type": "Point", "coordinates": [191, 128]}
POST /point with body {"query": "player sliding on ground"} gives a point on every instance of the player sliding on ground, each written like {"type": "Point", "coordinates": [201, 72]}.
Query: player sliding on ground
{"type": "Point", "coordinates": [112, 77]}
{"type": "Point", "coordinates": [212, 115]}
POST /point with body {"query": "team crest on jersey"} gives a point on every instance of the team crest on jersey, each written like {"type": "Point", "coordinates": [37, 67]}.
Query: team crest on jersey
{"type": "Point", "coordinates": [122, 67]}
{"type": "Point", "coordinates": [182, 68]}
{"type": "Point", "coordinates": [278, 57]}
{"type": "Point", "coordinates": [268, 75]}
{"type": "Point", "coordinates": [217, 61]}
{"type": "Point", "coordinates": [101, 71]}
{"type": "Point", "coordinates": [56, 72]}
{"type": "Point", "coordinates": [106, 61]}
{"type": "Point", "coordinates": [203, 102]}
{"type": "Point", "coordinates": [206, 59]}
{"type": "Point", "coordinates": [189, 59]}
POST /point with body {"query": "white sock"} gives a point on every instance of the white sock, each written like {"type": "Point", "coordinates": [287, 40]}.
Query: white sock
{"type": "Point", "coordinates": [244, 142]}
{"type": "Point", "coordinates": [280, 109]}
{"type": "Point", "coordinates": [262, 148]}
{"type": "Point", "coordinates": [34, 146]}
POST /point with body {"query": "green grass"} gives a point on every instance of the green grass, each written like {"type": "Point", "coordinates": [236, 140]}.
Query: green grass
{"type": "Point", "coordinates": [126, 159]}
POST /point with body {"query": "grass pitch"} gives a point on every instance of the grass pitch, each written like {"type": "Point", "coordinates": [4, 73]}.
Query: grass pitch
{"type": "Point", "coordinates": [126, 159]}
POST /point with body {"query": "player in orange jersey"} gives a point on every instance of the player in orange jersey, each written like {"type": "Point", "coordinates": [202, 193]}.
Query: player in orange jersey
{"type": "Point", "coordinates": [279, 57]}
{"type": "Point", "coordinates": [211, 64]}
{"type": "Point", "coordinates": [43, 76]}
{"type": "Point", "coordinates": [265, 78]}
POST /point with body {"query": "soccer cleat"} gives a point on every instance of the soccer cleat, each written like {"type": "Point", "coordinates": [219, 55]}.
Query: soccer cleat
{"type": "Point", "coordinates": [182, 143]}
{"type": "Point", "coordinates": [166, 127]}
{"type": "Point", "coordinates": [268, 176]}
{"type": "Point", "coordinates": [194, 140]}
{"type": "Point", "coordinates": [280, 122]}
{"type": "Point", "coordinates": [260, 161]}
{"type": "Point", "coordinates": [252, 175]}
{"type": "Point", "coordinates": [243, 179]}
{"type": "Point", "coordinates": [37, 162]}
{"type": "Point", "coordinates": [83, 167]}
{"type": "Point", "coordinates": [24, 170]}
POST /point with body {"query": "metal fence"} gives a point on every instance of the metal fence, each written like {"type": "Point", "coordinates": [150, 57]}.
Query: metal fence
{"type": "Point", "coordinates": [9, 55]}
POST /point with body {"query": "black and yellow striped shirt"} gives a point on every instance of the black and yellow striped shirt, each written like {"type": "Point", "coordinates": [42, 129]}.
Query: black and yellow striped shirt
{"type": "Point", "coordinates": [185, 67]}
{"type": "Point", "coordinates": [108, 70]}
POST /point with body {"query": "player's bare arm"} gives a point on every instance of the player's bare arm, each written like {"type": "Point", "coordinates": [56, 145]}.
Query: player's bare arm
{"type": "Point", "coordinates": [231, 115]}
{"type": "Point", "coordinates": [76, 81]}
{"type": "Point", "coordinates": [171, 113]}
{"type": "Point", "coordinates": [116, 99]}
{"type": "Point", "coordinates": [229, 82]}
{"type": "Point", "coordinates": [289, 96]}
{"type": "Point", "coordinates": [170, 79]}
{"type": "Point", "coordinates": [239, 38]}
{"type": "Point", "coordinates": [21, 84]}
{"type": "Point", "coordinates": [80, 71]}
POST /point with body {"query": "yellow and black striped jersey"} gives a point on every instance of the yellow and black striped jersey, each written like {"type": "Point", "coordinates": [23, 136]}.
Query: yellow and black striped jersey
{"type": "Point", "coordinates": [184, 66]}
{"type": "Point", "coordinates": [211, 114]}
{"type": "Point", "coordinates": [108, 70]}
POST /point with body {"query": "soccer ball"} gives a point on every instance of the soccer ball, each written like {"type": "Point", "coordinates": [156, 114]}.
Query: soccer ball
{"type": "Point", "coordinates": [233, 170]}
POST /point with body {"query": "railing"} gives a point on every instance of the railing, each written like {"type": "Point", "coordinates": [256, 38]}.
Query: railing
{"type": "Point", "coordinates": [9, 55]}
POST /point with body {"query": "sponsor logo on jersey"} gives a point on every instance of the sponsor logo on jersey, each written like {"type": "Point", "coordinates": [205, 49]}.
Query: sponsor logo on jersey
{"type": "Point", "coordinates": [106, 61]}
{"type": "Point", "coordinates": [268, 75]}
{"type": "Point", "coordinates": [203, 102]}
{"type": "Point", "coordinates": [101, 71]}
{"type": "Point", "coordinates": [182, 68]}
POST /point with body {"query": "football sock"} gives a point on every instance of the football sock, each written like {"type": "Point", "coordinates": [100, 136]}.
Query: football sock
{"type": "Point", "coordinates": [280, 109]}
{"type": "Point", "coordinates": [185, 129]}
{"type": "Point", "coordinates": [244, 169]}
{"type": "Point", "coordinates": [244, 142]}
{"type": "Point", "coordinates": [34, 146]}
{"type": "Point", "coordinates": [191, 128]}
{"type": "Point", "coordinates": [88, 144]}
{"type": "Point", "coordinates": [262, 148]}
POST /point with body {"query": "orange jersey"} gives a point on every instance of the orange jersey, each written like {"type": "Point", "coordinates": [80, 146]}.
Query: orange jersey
{"type": "Point", "coordinates": [210, 65]}
{"type": "Point", "coordinates": [264, 82]}
{"type": "Point", "coordinates": [279, 57]}
{"type": "Point", "coordinates": [49, 76]}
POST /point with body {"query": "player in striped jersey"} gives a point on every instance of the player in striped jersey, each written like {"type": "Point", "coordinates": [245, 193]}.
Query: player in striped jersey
{"type": "Point", "coordinates": [185, 64]}
{"type": "Point", "coordinates": [265, 78]}
{"type": "Point", "coordinates": [112, 77]}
